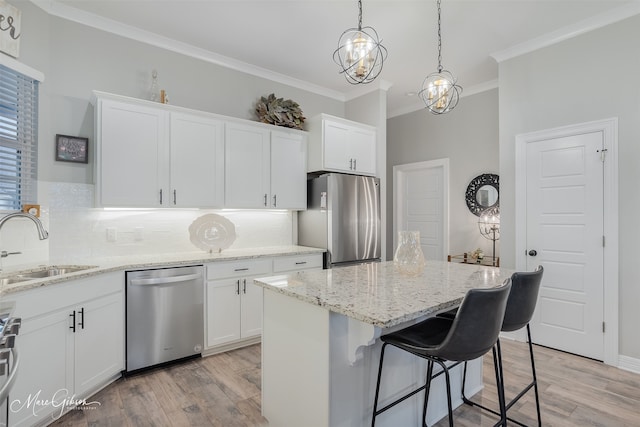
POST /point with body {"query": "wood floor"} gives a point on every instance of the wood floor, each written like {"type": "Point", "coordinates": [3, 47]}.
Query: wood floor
{"type": "Point", "coordinates": [224, 390]}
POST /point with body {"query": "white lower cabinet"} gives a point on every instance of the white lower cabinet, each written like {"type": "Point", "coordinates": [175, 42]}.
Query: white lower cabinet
{"type": "Point", "coordinates": [71, 343]}
{"type": "Point", "coordinates": [234, 303]}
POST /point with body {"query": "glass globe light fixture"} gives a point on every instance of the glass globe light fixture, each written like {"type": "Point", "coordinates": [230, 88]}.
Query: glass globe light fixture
{"type": "Point", "coordinates": [489, 225]}
{"type": "Point", "coordinates": [440, 91]}
{"type": "Point", "coordinates": [360, 53]}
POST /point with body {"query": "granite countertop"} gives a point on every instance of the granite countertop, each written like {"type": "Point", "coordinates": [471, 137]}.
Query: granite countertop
{"type": "Point", "coordinates": [136, 262]}
{"type": "Point", "coordinates": [378, 294]}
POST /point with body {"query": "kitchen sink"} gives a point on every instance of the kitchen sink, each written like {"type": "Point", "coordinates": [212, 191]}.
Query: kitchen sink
{"type": "Point", "coordinates": [42, 273]}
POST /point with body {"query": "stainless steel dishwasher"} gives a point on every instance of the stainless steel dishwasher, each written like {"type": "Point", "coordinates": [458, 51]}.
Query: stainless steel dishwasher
{"type": "Point", "coordinates": [165, 319]}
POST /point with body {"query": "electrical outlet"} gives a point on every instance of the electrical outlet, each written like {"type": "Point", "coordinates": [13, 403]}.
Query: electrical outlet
{"type": "Point", "coordinates": [112, 234]}
{"type": "Point", "coordinates": [137, 233]}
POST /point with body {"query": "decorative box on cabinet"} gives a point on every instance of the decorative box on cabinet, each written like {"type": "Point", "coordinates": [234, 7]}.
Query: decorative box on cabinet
{"type": "Point", "coordinates": [71, 343]}
{"type": "Point", "coordinates": [264, 169]}
{"type": "Point", "coordinates": [149, 155]}
{"type": "Point", "coordinates": [467, 259]}
{"type": "Point", "coordinates": [341, 145]}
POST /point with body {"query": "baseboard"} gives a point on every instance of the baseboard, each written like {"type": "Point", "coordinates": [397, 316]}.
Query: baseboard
{"type": "Point", "coordinates": [231, 346]}
{"type": "Point", "coordinates": [630, 364]}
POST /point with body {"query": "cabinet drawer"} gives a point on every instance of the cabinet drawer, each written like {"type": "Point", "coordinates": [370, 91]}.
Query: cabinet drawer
{"type": "Point", "coordinates": [242, 268]}
{"type": "Point", "coordinates": [297, 262]}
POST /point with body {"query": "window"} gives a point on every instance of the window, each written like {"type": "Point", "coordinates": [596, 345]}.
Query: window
{"type": "Point", "coordinates": [18, 139]}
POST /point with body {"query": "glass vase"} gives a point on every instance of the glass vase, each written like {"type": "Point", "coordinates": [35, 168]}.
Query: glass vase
{"type": "Point", "coordinates": [408, 258]}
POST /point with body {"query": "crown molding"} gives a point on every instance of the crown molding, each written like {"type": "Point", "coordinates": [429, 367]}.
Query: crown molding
{"type": "Point", "coordinates": [361, 90]}
{"type": "Point", "coordinates": [419, 105]}
{"type": "Point", "coordinates": [582, 27]}
{"type": "Point", "coordinates": [69, 13]}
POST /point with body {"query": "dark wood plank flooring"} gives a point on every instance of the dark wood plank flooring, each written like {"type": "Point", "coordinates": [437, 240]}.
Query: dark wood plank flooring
{"type": "Point", "coordinates": [224, 390]}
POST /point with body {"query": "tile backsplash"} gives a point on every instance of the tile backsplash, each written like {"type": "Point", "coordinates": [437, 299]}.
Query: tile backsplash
{"type": "Point", "coordinates": [77, 231]}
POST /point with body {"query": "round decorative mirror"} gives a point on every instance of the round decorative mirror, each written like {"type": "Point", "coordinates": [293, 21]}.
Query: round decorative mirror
{"type": "Point", "coordinates": [483, 192]}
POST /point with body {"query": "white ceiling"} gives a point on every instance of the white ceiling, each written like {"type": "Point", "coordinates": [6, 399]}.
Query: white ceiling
{"type": "Point", "coordinates": [296, 38]}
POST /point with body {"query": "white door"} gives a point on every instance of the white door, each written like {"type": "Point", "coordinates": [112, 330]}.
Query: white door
{"type": "Point", "coordinates": [197, 161]}
{"type": "Point", "coordinates": [421, 192]}
{"type": "Point", "coordinates": [251, 309]}
{"type": "Point", "coordinates": [336, 146]}
{"type": "Point", "coordinates": [288, 171]}
{"type": "Point", "coordinates": [223, 311]}
{"type": "Point", "coordinates": [565, 234]}
{"type": "Point", "coordinates": [362, 143]}
{"type": "Point", "coordinates": [131, 156]}
{"type": "Point", "coordinates": [99, 342]}
{"type": "Point", "coordinates": [247, 166]}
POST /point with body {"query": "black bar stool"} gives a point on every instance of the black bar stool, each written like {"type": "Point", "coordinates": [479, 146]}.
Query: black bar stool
{"type": "Point", "coordinates": [520, 307]}
{"type": "Point", "coordinates": [470, 334]}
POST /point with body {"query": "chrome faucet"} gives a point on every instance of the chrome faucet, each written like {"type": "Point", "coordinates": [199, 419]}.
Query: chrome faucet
{"type": "Point", "coordinates": [42, 233]}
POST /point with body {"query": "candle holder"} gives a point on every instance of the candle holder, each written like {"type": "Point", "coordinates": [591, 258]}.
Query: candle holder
{"type": "Point", "coordinates": [489, 226]}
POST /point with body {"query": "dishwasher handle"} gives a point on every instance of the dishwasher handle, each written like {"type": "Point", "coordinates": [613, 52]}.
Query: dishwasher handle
{"type": "Point", "coordinates": [164, 280]}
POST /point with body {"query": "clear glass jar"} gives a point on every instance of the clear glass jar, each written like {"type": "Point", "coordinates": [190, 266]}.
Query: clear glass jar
{"type": "Point", "coordinates": [408, 258]}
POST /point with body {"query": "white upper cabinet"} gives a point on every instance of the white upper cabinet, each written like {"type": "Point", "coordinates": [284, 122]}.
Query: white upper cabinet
{"type": "Point", "coordinates": [247, 166]}
{"type": "Point", "coordinates": [288, 170]}
{"type": "Point", "coordinates": [197, 161]}
{"type": "Point", "coordinates": [264, 169]}
{"type": "Point", "coordinates": [151, 155]}
{"type": "Point", "coordinates": [340, 145]}
{"type": "Point", "coordinates": [130, 158]}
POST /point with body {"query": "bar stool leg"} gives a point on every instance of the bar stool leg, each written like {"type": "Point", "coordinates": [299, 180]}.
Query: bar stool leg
{"type": "Point", "coordinates": [375, 401]}
{"type": "Point", "coordinates": [497, 366]}
{"type": "Point", "coordinates": [427, 389]}
{"type": "Point", "coordinates": [535, 380]}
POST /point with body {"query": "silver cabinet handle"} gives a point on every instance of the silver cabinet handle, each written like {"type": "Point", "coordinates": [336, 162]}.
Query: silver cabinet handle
{"type": "Point", "coordinates": [354, 164]}
{"type": "Point", "coordinates": [238, 287]}
{"type": "Point", "coordinates": [242, 269]}
{"type": "Point", "coordinates": [163, 280]}
{"type": "Point", "coordinates": [81, 322]}
{"type": "Point", "coordinates": [275, 200]}
{"type": "Point", "coordinates": [301, 262]}
{"type": "Point", "coordinates": [161, 196]}
{"type": "Point", "coordinates": [174, 196]}
{"type": "Point", "coordinates": [244, 286]}
{"type": "Point", "coordinates": [265, 199]}
{"type": "Point", "coordinates": [4, 391]}
{"type": "Point", "coordinates": [350, 164]}
{"type": "Point", "coordinates": [73, 321]}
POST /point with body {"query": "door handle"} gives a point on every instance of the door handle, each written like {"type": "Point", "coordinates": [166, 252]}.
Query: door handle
{"type": "Point", "coordinates": [174, 197]}
{"type": "Point", "coordinates": [81, 322]}
{"type": "Point", "coordinates": [275, 200]}
{"type": "Point", "coordinates": [238, 287]}
{"type": "Point", "coordinates": [165, 280]}
{"type": "Point", "coordinates": [533, 252]}
{"type": "Point", "coordinates": [161, 196]}
{"type": "Point", "coordinates": [73, 321]}
{"type": "Point", "coordinates": [354, 163]}
{"type": "Point", "coordinates": [265, 199]}
{"type": "Point", "coordinates": [244, 286]}
{"type": "Point", "coordinates": [350, 164]}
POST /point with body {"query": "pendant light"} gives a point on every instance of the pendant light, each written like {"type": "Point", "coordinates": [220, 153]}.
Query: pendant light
{"type": "Point", "coordinates": [440, 91]}
{"type": "Point", "coordinates": [360, 53]}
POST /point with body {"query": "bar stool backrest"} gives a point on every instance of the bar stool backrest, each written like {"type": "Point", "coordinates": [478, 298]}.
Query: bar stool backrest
{"type": "Point", "coordinates": [522, 299]}
{"type": "Point", "coordinates": [477, 324]}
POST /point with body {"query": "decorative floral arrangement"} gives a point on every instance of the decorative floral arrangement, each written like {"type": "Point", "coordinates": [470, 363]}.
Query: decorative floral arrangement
{"type": "Point", "coordinates": [280, 112]}
{"type": "Point", "coordinates": [478, 255]}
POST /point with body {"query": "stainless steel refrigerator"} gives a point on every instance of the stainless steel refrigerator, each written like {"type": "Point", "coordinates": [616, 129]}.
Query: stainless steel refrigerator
{"type": "Point", "coordinates": [342, 216]}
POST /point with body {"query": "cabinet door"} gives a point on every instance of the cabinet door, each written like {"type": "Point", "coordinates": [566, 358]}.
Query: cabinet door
{"type": "Point", "coordinates": [362, 144]}
{"type": "Point", "coordinates": [197, 161]}
{"type": "Point", "coordinates": [223, 311]}
{"type": "Point", "coordinates": [247, 166]}
{"type": "Point", "coordinates": [45, 372]}
{"type": "Point", "coordinates": [251, 310]}
{"type": "Point", "coordinates": [336, 146]}
{"type": "Point", "coordinates": [99, 342]}
{"type": "Point", "coordinates": [288, 171]}
{"type": "Point", "coordinates": [131, 155]}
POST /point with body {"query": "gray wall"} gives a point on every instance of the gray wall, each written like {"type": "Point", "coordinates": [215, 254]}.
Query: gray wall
{"type": "Point", "coordinates": [77, 59]}
{"type": "Point", "coordinates": [590, 77]}
{"type": "Point", "coordinates": [468, 137]}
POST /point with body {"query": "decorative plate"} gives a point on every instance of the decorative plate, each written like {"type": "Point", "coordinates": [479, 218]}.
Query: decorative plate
{"type": "Point", "coordinates": [212, 232]}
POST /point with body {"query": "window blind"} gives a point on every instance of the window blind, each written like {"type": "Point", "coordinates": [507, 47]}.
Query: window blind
{"type": "Point", "coordinates": [18, 139]}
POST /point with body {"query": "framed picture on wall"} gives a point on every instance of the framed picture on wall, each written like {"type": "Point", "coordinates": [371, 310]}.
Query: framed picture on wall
{"type": "Point", "coordinates": [72, 149]}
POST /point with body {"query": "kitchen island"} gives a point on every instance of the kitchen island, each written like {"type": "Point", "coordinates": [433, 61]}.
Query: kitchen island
{"type": "Point", "coordinates": [320, 351]}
